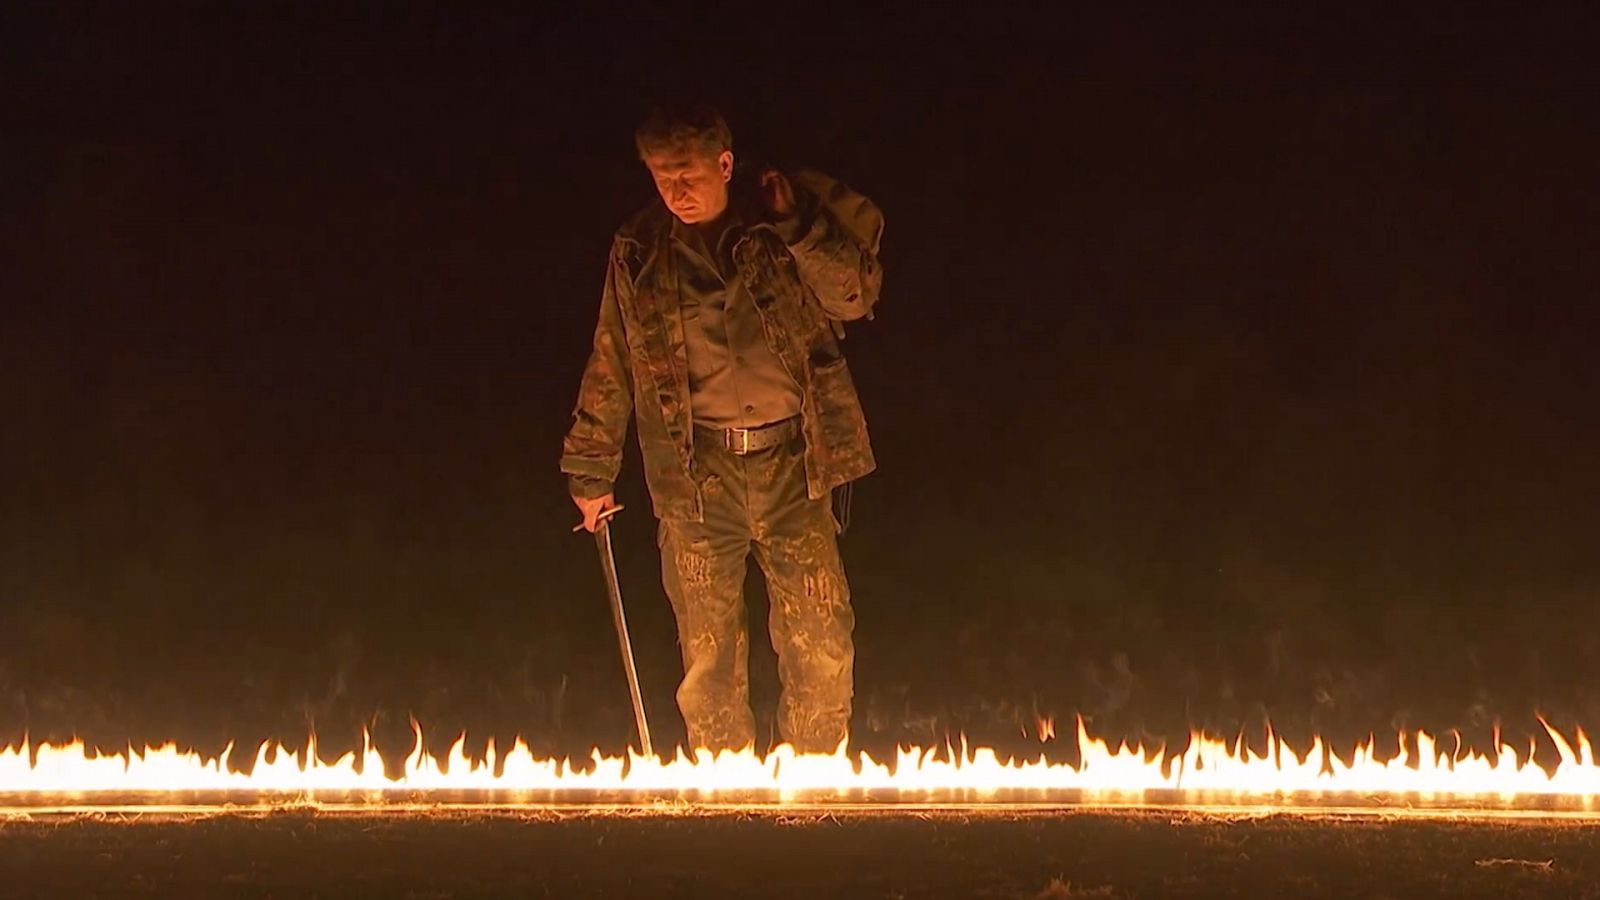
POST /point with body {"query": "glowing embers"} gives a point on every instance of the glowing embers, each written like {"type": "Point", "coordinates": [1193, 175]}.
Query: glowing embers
{"type": "Point", "coordinates": [1208, 770]}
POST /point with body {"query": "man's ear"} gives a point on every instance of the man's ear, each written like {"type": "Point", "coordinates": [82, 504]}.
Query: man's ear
{"type": "Point", "coordinates": [725, 165]}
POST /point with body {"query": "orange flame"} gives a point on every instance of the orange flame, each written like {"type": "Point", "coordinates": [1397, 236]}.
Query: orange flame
{"type": "Point", "coordinates": [1208, 767]}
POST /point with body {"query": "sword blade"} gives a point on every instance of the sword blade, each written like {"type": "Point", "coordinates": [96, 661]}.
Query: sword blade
{"type": "Point", "coordinates": [608, 564]}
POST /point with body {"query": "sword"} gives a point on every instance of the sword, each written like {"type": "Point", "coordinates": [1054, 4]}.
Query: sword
{"type": "Point", "coordinates": [608, 564]}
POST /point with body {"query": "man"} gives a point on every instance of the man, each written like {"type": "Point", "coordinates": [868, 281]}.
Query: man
{"type": "Point", "coordinates": [718, 330]}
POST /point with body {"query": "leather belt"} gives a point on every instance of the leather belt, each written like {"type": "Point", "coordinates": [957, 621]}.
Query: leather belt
{"type": "Point", "coordinates": [741, 441]}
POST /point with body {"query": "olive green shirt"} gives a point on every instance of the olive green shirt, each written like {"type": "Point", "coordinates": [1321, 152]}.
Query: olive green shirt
{"type": "Point", "coordinates": [735, 380]}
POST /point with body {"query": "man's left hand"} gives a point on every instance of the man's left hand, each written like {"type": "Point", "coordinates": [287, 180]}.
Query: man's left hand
{"type": "Point", "coordinates": [777, 194]}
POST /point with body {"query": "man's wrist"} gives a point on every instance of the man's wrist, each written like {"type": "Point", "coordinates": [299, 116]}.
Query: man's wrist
{"type": "Point", "coordinates": [797, 225]}
{"type": "Point", "coordinates": [790, 228]}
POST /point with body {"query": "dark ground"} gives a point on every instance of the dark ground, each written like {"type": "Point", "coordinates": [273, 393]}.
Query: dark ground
{"type": "Point", "coordinates": [1039, 855]}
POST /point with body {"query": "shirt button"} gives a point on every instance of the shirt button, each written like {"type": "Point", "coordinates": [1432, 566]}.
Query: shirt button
{"type": "Point", "coordinates": [739, 360]}
{"type": "Point", "coordinates": [749, 409]}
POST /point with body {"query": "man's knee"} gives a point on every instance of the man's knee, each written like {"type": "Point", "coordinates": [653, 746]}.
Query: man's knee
{"type": "Point", "coordinates": [716, 710]}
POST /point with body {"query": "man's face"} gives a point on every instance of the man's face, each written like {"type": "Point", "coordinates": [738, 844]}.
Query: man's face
{"type": "Point", "coordinates": [692, 183]}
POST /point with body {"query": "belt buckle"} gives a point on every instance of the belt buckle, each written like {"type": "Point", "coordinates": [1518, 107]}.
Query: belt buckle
{"type": "Point", "coordinates": [740, 447]}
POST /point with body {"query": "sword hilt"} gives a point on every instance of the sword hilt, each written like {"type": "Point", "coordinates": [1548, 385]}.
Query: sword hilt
{"type": "Point", "coordinates": [604, 515]}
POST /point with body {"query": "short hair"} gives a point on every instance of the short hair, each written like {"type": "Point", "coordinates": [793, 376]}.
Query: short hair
{"type": "Point", "coordinates": [670, 129]}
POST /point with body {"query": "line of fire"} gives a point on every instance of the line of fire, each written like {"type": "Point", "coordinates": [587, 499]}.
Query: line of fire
{"type": "Point", "coordinates": [1427, 776]}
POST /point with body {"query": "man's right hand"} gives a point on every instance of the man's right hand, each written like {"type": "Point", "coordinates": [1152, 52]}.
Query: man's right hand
{"type": "Point", "coordinates": [592, 508]}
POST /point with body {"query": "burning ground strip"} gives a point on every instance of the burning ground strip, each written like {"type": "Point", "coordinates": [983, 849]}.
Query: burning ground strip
{"type": "Point", "coordinates": [1425, 775]}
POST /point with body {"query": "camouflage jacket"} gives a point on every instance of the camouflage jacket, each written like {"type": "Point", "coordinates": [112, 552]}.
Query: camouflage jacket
{"type": "Point", "coordinates": [804, 275]}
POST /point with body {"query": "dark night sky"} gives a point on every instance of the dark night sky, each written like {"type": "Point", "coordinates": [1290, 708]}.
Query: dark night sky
{"type": "Point", "coordinates": [1226, 368]}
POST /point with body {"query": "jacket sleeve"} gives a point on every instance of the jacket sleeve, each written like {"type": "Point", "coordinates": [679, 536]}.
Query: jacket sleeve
{"type": "Point", "coordinates": [839, 266]}
{"type": "Point", "coordinates": [591, 454]}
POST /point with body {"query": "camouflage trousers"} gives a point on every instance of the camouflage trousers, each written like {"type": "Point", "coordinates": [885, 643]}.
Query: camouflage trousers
{"type": "Point", "coordinates": [758, 502]}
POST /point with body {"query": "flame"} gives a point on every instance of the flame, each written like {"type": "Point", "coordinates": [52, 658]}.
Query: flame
{"type": "Point", "coordinates": [1208, 767]}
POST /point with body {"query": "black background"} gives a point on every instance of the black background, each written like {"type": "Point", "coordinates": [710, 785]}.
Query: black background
{"type": "Point", "coordinates": [1228, 367]}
